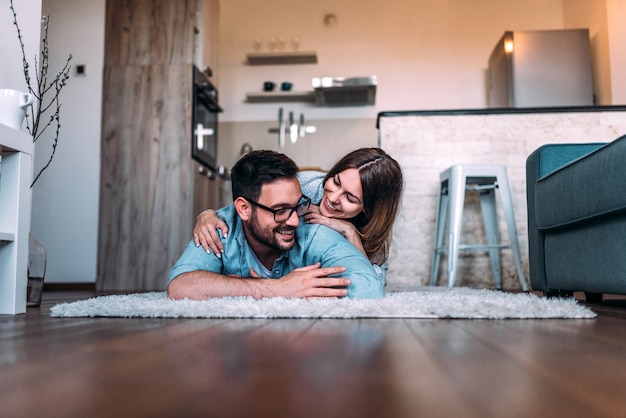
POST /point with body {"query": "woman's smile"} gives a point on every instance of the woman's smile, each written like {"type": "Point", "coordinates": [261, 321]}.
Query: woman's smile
{"type": "Point", "coordinates": [330, 206]}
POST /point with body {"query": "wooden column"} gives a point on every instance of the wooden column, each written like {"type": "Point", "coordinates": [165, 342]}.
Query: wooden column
{"type": "Point", "coordinates": [147, 178]}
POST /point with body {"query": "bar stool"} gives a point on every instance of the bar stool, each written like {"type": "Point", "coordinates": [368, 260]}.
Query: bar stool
{"type": "Point", "coordinates": [485, 179]}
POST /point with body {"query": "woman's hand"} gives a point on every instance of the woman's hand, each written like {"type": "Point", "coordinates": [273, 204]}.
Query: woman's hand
{"type": "Point", "coordinates": [345, 228]}
{"type": "Point", "coordinates": [205, 232]}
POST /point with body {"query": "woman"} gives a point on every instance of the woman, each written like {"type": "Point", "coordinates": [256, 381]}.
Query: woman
{"type": "Point", "coordinates": [359, 197]}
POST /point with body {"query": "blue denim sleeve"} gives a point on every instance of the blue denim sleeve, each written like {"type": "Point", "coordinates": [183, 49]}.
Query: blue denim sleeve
{"type": "Point", "coordinates": [195, 258]}
{"type": "Point", "coordinates": [332, 249]}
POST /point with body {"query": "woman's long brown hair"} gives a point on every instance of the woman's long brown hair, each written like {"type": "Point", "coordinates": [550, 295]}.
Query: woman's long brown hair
{"type": "Point", "coordinates": [382, 183]}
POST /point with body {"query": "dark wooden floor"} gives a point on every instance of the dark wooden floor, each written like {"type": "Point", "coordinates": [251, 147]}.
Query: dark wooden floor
{"type": "Point", "coordinates": [51, 367]}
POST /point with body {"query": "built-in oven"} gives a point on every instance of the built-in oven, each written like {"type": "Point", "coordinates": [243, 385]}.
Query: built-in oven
{"type": "Point", "coordinates": [205, 109]}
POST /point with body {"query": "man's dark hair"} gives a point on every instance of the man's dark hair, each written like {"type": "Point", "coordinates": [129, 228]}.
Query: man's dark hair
{"type": "Point", "coordinates": [257, 168]}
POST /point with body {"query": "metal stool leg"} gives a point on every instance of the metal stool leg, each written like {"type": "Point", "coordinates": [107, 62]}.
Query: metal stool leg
{"type": "Point", "coordinates": [442, 208]}
{"type": "Point", "coordinates": [507, 204]}
{"type": "Point", "coordinates": [456, 192]}
{"type": "Point", "coordinates": [490, 222]}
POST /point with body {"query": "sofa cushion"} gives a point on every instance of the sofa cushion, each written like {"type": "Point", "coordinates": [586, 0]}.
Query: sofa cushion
{"type": "Point", "coordinates": [588, 187]}
{"type": "Point", "coordinates": [588, 257]}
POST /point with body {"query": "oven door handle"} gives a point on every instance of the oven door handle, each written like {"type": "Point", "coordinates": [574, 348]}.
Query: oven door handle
{"type": "Point", "coordinates": [202, 131]}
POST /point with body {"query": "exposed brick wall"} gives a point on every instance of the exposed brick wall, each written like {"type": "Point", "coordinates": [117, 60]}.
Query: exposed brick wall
{"type": "Point", "coordinates": [426, 145]}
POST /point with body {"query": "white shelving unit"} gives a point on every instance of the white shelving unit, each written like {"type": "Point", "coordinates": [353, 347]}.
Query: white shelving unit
{"type": "Point", "coordinates": [16, 173]}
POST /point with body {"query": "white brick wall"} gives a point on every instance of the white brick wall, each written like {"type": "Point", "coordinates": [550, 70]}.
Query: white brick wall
{"type": "Point", "coordinates": [425, 145]}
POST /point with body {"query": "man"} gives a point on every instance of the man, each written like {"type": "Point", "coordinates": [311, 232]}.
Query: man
{"type": "Point", "coordinates": [267, 241]}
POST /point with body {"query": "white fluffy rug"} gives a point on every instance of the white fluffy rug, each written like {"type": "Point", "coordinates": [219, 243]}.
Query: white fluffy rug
{"type": "Point", "coordinates": [423, 302]}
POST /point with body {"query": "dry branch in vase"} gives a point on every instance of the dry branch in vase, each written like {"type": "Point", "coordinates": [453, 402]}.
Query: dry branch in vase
{"type": "Point", "coordinates": [46, 91]}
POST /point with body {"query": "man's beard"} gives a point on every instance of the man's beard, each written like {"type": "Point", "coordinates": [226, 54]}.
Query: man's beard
{"type": "Point", "coordinates": [272, 238]}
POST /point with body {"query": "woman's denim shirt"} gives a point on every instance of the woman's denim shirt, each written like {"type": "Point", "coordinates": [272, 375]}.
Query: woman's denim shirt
{"type": "Point", "coordinates": [312, 183]}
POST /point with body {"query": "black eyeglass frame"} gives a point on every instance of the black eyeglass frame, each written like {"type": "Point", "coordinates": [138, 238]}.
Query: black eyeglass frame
{"type": "Point", "coordinates": [300, 208]}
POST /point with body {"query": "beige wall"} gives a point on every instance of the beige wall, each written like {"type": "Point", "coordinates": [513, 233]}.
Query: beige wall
{"type": "Point", "coordinates": [427, 54]}
{"type": "Point", "coordinates": [592, 14]}
{"type": "Point", "coordinates": [616, 12]}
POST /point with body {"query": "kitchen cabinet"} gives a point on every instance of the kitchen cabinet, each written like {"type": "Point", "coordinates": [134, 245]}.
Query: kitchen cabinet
{"type": "Point", "coordinates": [208, 189]}
{"type": "Point", "coordinates": [149, 190]}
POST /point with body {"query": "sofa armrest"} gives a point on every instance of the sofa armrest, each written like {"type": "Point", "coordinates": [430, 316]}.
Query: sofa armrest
{"type": "Point", "coordinates": [541, 162]}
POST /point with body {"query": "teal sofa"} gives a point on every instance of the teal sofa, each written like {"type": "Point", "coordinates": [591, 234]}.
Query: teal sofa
{"type": "Point", "coordinates": [576, 195]}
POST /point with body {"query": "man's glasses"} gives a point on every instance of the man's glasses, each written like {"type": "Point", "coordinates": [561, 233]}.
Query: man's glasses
{"type": "Point", "coordinates": [282, 214]}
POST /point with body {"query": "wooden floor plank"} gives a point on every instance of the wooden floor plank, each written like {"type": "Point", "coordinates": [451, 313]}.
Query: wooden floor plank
{"type": "Point", "coordinates": [399, 377]}
{"type": "Point", "coordinates": [581, 361]}
{"type": "Point", "coordinates": [473, 373]}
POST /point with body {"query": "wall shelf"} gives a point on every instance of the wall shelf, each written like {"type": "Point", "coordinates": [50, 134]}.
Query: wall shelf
{"type": "Point", "coordinates": [281, 96]}
{"type": "Point", "coordinates": [7, 236]}
{"type": "Point", "coordinates": [281, 58]}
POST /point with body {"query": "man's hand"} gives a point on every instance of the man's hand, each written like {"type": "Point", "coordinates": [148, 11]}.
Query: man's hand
{"type": "Point", "coordinates": [308, 282]}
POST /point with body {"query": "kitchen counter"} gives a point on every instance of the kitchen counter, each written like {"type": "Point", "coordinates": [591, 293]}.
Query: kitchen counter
{"type": "Point", "coordinates": [427, 142]}
{"type": "Point", "coordinates": [496, 111]}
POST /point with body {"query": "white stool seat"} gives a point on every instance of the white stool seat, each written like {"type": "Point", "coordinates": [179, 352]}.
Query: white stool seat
{"type": "Point", "coordinates": [453, 183]}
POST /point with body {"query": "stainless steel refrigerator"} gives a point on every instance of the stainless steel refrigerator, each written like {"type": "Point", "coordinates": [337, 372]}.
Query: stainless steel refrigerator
{"type": "Point", "coordinates": [541, 69]}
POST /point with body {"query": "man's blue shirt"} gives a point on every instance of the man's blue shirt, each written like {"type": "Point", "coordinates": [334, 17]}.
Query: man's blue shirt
{"type": "Point", "coordinates": [314, 243]}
